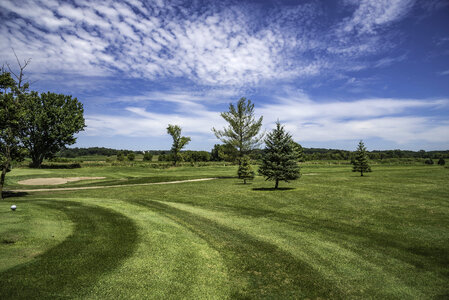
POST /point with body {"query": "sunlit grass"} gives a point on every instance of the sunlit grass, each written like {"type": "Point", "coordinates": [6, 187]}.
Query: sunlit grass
{"type": "Point", "coordinates": [332, 234]}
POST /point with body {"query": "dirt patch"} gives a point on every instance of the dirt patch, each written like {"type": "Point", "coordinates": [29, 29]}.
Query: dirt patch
{"type": "Point", "coordinates": [55, 181]}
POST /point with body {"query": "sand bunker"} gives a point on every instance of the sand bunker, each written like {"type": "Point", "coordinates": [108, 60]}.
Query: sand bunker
{"type": "Point", "coordinates": [55, 181]}
{"type": "Point", "coordinates": [311, 174]}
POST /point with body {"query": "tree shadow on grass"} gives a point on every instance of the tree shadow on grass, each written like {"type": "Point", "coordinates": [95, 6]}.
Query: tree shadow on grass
{"type": "Point", "coordinates": [100, 241]}
{"type": "Point", "coordinates": [273, 189]}
{"type": "Point", "coordinates": [10, 194]}
{"type": "Point", "coordinates": [257, 269]}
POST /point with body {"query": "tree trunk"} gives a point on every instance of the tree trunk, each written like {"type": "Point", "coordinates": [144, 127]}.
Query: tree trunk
{"type": "Point", "coordinates": [2, 180]}
{"type": "Point", "coordinates": [244, 181]}
{"type": "Point", "coordinates": [277, 184]}
{"type": "Point", "coordinates": [361, 173]}
{"type": "Point", "coordinates": [36, 160]}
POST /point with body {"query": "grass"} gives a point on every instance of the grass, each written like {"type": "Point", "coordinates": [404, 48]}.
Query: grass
{"type": "Point", "coordinates": [332, 234]}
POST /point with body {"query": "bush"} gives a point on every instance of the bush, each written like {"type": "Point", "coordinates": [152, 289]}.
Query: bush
{"type": "Point", "coordinates": [148, 156]}
{"type": "Point", "coordinates": [131, 156]}
{"type": "Point", "coordinates": [428, 161]}
{"type": "Point", "coordinates": [441, 162]}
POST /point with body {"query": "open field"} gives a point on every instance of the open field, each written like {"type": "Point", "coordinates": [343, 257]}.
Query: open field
{"type": "Point", "coordinates": [331, 234]}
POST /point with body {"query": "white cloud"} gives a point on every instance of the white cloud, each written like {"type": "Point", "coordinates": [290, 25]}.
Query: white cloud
{"type": "Point", "coordinates": [370, 15]}
{"type": "Point", "coordinates": [217, 45]}
{"type": "Point", "coordinates": [388, 119]}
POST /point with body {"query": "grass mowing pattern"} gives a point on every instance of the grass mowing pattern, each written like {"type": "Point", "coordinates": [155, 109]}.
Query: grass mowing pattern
{"type": "Point", "coordinates": [100, 241]}
{"type": "Point", "coordinates": [257, 269]}
{"type": "Point", "coordinates": [332, 235]}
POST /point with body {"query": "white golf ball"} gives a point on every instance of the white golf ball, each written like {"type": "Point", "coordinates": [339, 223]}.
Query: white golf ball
{"type": "Point", "coordinates": [13, 207]}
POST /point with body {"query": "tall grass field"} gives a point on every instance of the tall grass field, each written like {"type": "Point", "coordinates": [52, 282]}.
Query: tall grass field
{"type": "Point", "coordinates": [331, 234]}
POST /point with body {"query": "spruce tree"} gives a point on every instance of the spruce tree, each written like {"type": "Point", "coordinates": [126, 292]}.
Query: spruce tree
{"type": "Point", "coordinates": [360, 161]}
{"type": "Point", "coordinates": [279, 162]}
{"type": "Point", "coordinates": [245, 171]}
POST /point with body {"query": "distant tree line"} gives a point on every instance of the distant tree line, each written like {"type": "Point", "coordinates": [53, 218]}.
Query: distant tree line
{"type": "Point", "coordinates": [223, 152]}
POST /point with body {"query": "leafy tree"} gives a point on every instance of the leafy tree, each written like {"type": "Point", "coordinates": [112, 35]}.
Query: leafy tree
{"type": "Point", "coordinates": [179, 141]}
{"type": "Point", "coordinates": [223, 152]}
{"type": "Point", "coordinates": [11, 112]}
{"type": "Point", "coordinates": [120, 156]}
{"type": "Point", "coordinates": [245, 171]}
{"type": "Point", "coordinates": [429, 161]}
{"type": "Point", "coordinates": [243, 130]}
{"type": "Point", "coordinates": [148, 156]}
{"type": "Point", "coordinates": [441, 161]}
{"type": "Point", "coordinates": [279, 162]}
{"type": "Point", "coordinates": [49, 124]}
{"type": "Point", "coordinates": [131, 156]}
{"type": "Point", "coordinates": [360, 160]}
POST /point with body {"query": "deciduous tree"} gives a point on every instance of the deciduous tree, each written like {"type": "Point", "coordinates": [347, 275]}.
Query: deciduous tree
{"type": "Point", "coordinates": [279, 162]}
{"type": "Point", "coordinates": [11, 112]}
{"type": "Point", "coordinates": [148, 156]}
{"type": "Point", "coordinates": [179, 141]}
{"type": "Point", "coordinates": [50, 123]}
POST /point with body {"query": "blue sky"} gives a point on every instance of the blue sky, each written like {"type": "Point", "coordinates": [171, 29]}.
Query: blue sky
{"type": "Point", "coordinates": [333, 72]}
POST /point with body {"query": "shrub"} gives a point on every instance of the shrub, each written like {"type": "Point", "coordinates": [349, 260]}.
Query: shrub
{"type": "Point", "coordinates": [148, 156]}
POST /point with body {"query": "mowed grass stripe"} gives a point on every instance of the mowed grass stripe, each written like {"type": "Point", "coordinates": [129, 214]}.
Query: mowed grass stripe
{"type": "Point", "coordinates": [100, 241]}
{"type": "Point", "coordinates": [257, 269]}
{"type": "Point", "coordinates": [348, 256]}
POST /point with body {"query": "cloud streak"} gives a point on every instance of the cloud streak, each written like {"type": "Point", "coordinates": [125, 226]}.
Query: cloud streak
{"type": "Point", "coordinates": [217, 45]}
{"type": "Point", "coordinates": [389, 119]}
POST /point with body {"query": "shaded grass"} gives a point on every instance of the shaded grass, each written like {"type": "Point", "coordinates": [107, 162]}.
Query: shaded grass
{"type": "Point", "coordinates": [100, 241]}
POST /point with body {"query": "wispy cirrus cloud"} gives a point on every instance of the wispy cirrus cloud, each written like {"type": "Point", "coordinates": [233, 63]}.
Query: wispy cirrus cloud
{"type": "Point", "coordinates": [217, 45]}
{"type": "Point", "coordinates": [389, 119]}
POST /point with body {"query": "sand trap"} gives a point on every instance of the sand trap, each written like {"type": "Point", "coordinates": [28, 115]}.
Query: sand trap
{"type": "Point", "coordinates": [311, 174]}
{"type": "Point", "coordinates": [55, 181]}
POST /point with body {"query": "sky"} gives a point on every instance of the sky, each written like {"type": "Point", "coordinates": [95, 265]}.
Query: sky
{"type": "Point", "coordinates": [333, 72]}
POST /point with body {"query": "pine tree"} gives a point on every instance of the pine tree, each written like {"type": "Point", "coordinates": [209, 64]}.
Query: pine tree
{"type": "Point", "coordinates": [279, 162]}
{"type": "Point", "coordinates": [243, 130]}
{"type": "Point", "coordinates": [245, 171]}
{"type": "Point", "coordinates": [360, 161]}
{"type": "Point", "coordinates": [441, 162]}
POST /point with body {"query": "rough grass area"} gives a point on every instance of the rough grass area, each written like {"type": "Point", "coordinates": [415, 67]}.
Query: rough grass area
{"type": "Point", "coordinates": [331, 235]}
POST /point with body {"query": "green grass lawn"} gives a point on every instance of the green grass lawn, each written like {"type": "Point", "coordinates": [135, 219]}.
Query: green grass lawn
{"type": "Point", "coordinates": [331, 234]}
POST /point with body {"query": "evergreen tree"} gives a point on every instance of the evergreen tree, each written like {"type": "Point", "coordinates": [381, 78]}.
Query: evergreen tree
{"type": "Point", "coordinates": [245, 171]}
{"type": "Point", "coordinates": [360, 160]}
{"type": "Point", "coordinates": [299, 151]}
{"type": "Point", "coordinates": [279, 162]}
{"type": "Point", "coordinates": [441, 162]}
{"type": "Point", "coordinates": [243, 130]}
